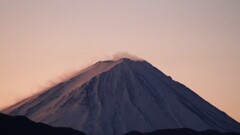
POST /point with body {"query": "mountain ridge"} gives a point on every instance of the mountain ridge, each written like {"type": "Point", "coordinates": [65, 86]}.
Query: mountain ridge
{"type": "Point", "coordinates": [18, 125]}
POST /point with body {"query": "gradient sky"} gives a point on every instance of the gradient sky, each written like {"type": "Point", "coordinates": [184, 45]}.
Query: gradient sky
{"type": "Point", "coordinates": [197, 42]}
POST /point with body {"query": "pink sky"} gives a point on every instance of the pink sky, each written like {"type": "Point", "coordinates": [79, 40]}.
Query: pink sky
{"type": "Point", "coordinates": [196, 42]}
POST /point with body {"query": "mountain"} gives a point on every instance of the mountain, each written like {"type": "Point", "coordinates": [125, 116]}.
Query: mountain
{"type": "Point", "coordinates": [116, 97]}
{"type": "Point", "coordinates": [19, 125]}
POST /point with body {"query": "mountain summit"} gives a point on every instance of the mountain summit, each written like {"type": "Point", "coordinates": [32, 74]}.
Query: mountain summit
{"type": "Point", "coordinates": [115, 97]}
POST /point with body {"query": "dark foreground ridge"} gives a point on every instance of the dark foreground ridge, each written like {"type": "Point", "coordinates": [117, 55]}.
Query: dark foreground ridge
{"type": "Point", "coordinates": [20, 125]}
{"type": "Point", "coordinates": [181, 131]}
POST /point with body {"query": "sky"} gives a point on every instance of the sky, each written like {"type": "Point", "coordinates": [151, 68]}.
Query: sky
{"type": "Point", "coordinates": [194, 41]}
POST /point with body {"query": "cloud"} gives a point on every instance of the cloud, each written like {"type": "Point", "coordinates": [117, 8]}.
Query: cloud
{"type": "Point", "coordinates": [121, 55]}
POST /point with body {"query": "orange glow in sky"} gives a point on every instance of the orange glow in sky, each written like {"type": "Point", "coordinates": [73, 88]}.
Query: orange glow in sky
{"type": "Point", "coordinates": [196, 42]}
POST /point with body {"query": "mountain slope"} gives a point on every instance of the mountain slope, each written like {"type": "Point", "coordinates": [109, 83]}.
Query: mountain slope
{"type": "Point", "coordinates": [19, 125]}
{"type": "Point", "coordinates": [115, 97]}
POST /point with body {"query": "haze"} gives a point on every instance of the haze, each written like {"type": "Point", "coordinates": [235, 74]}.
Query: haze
{"type": "Point", "coordinates": [194, 41]}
